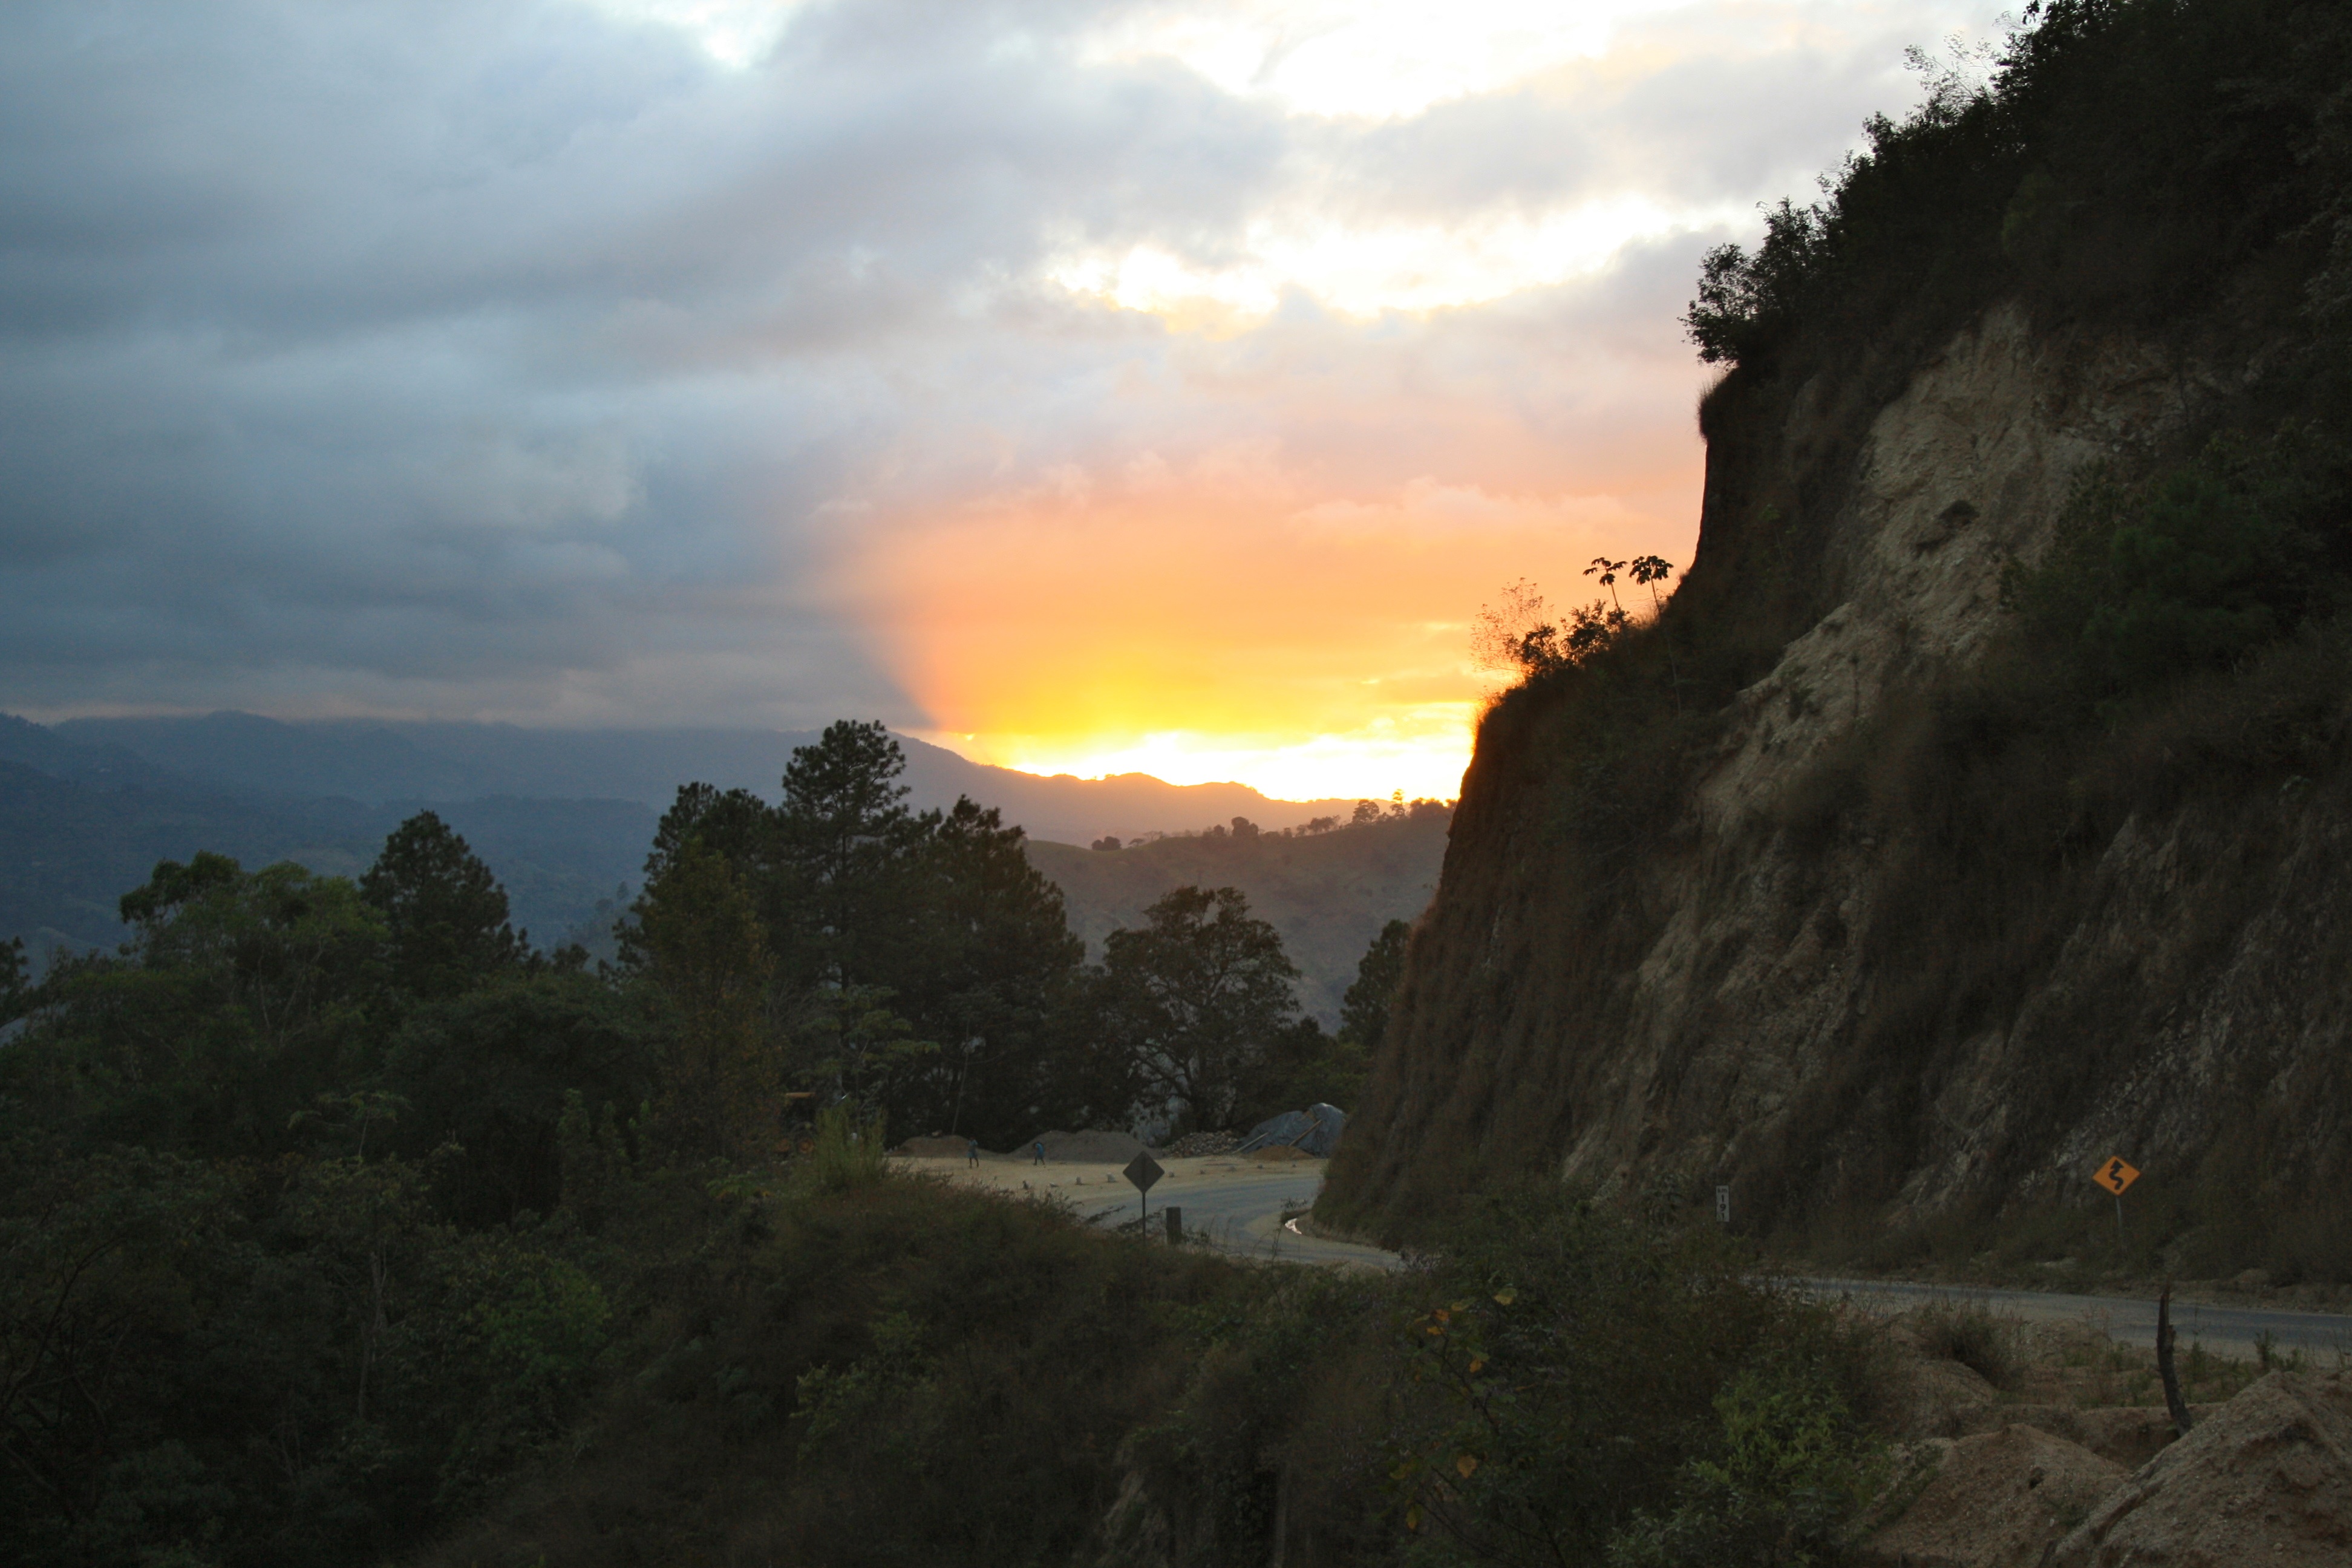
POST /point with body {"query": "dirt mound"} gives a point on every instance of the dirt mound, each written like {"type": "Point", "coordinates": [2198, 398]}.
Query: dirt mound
{"type": "Point", "coordinates": [933, 1148]}
{"type": "Point", "coordinates": [1997, 1501]}
{"type": "Point", "coordinates": [2129, 1435]}
{"type": "Point", "coordinates": [1941, 1399]}
{"type": "Point", "coordinates": [1095, 1148]}
{"type": "Point", "coordinates": [2266, 1479]}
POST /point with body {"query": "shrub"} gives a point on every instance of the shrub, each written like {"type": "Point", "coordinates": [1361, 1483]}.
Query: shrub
{"type": "Point", "coordinates": [1577, 1380]}
{"type": "Point", "coordinates": [2192, 568]}
{"type": "Point", "coordinates": [1795, 1468]}
{"type": "Point", "coordinates": [850, 1152]}
{"type": "Point", "coordinates": [1971, 1335]}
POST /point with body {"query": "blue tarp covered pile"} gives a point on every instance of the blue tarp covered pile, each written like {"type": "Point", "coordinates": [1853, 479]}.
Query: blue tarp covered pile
{"type": "Point", "coordinates": [1314, 1131]}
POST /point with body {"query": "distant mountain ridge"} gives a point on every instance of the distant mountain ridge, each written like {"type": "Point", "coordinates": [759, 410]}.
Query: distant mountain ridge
{"type": "Point", "coordinates": [562, 817]}
{"type": "Point", "coordinates": [78, 829]}
{"type": "Point", "coordinates": [373, 761]}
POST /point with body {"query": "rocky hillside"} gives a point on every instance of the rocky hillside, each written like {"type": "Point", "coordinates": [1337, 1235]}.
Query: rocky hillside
{"type": "Point", "coordinates": [1978, 809]}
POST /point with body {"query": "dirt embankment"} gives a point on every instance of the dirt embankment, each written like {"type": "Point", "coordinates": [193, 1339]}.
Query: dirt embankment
{"type": "Point", "coordinates": [2039, 1474]}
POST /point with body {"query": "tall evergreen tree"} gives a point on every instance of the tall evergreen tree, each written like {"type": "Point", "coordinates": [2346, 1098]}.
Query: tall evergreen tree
{"type": "Point", "coordinates": [848, 844]}
{"type": "Point", "coordinates": [446, 914]}
{"type": "Point", "coordinates": [987, 982]}
{"type": "Point", "coordinates": [706, 952]}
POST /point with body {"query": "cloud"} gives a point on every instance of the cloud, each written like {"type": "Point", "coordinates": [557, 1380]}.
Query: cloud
{"type": "Point", "coordinates": [692, 360]}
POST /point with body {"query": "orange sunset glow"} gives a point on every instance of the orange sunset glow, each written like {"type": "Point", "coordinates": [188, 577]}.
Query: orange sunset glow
{"type": "Point", "coordinates": [1199, 629]}
{"type": "Point", "coordinates": [1154, 385]}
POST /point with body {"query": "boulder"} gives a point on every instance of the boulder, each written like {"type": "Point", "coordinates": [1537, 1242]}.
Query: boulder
{"type": "Point", "coordinates": [2266, 1479]}
{"type": "Point", "coordinates": [1996, 1500]}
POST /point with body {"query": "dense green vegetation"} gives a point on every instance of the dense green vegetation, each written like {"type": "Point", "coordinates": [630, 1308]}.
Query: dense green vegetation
{"type": "Point", "coordinates": [892, 1372]}
{"type": "Point", "coordinates": [338, 1223]}
{"type": "Point", "coordinates": [918, 963]}
{"type": "Point", "coordinates": [2123, 158]}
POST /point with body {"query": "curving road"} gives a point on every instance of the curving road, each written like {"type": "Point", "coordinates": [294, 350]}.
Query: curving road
{"type": "Point", "coordinates": [1242, 1209]}
{"type": "Point", "coordinates": [1239, 1208]}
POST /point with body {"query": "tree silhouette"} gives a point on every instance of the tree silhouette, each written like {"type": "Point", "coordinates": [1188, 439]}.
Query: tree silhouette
{"type": "Point", "coordinates": [1197, 995]}
{"type": "Point", "coordinates": [446, 914]}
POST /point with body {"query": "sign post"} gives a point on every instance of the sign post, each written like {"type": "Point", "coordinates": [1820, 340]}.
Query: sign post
{"type": "Point", "coordinates": [2116, 1175]}
{"type": "Point", "coordinates": [1143, 1169]}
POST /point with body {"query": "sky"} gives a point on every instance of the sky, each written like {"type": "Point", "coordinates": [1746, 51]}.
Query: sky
{"type": "Point", "coordinates": [1094, 387]}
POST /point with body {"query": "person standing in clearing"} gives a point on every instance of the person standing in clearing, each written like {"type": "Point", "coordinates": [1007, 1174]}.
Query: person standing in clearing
{"type": "Point", "coordinates": [1041, 1152]}
{"type": "Point", "coordinates": [972, 1153]}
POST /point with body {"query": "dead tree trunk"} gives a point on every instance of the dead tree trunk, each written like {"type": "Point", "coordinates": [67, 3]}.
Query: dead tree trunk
{"type": "Point", "coordinates": [2173, 1402]}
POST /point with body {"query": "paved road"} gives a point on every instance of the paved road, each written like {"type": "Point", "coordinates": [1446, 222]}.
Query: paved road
{"type": "Point", "coordinates": [1241, 1213]}
{"type": "Point", "coordinates": [1239, 1209]}
{"type": "Point", "coordinates": [2322, 1337]}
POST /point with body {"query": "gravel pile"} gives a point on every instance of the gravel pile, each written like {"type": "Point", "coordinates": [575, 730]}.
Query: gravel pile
{"type": "Point", "coordinates": [1193, 1144]}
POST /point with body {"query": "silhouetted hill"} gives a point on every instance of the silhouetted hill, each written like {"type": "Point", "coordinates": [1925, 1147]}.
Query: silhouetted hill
{"type": "Point", "coordinates": [375, 761]}
{"type": "Point", "coordinates": [563, 818]}
{"type": "Point", "coordinates": [72, 845]}
{"type": "Point", "coordinates": [1327, 893]}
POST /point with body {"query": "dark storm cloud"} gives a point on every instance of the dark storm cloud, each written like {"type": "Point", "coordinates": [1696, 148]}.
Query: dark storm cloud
{"type": "Point", "coordinates": [509, 357]}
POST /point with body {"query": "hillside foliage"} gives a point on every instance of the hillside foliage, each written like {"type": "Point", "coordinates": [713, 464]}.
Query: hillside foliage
{"type": "Point", "coordinates": [336, 1223]}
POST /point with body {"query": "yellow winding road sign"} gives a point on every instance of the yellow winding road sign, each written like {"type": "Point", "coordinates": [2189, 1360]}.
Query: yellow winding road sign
{"type": "Point", "coordinates": [2116, 1175]}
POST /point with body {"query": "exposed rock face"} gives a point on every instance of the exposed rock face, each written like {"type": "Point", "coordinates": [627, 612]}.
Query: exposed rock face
{"type": "Point", "coordinates": [1762, 1003]}
{"type": "Point", "coordinates": [2266, 1479]}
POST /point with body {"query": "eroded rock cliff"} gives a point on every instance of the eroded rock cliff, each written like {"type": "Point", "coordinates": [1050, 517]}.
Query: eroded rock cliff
{"type": "Point", "coordinates": [1876, 940]}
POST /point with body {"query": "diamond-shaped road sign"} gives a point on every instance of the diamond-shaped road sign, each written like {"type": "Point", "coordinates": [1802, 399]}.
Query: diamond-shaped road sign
{"type": "Point", "coordinates": [1143, 1169]}
{"type": "Point", "coordinates": [2116, 1175]}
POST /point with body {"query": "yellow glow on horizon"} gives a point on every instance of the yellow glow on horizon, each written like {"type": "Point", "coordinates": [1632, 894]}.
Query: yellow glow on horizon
{"type": "Point", "coordinates": [1422, 752]}
{"type": "Point", "coordinates": [1220, 622]}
